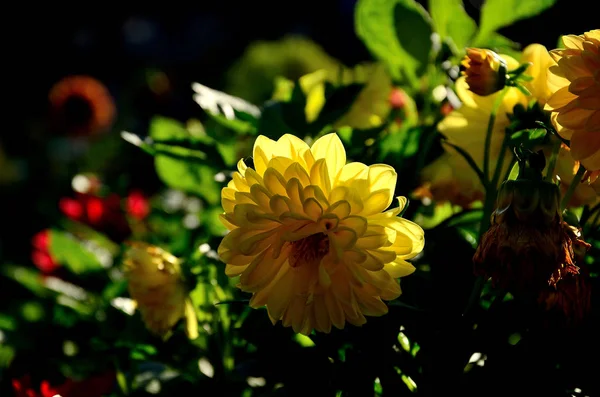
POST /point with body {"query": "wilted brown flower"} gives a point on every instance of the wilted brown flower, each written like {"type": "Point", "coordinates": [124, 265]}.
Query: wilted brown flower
{"type": "Point", "coordinates": [526, 243]}
{"type": "Point", "coordinates": [81, 105]}
{"type": "Point", "coordinates": [531, 251]}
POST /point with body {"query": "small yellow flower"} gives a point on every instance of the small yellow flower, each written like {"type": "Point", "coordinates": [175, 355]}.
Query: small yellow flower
{"type": "Point", "coordinates": [308, 237]}
{"type": "Point", "coordinates": [575, 104]}
{"type": "Point", "coordinates": [485, 71]}
{"type": "Point", "coordinates": [155, 283]}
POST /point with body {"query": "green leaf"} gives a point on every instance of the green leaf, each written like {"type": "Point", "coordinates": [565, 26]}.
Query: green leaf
{"type": "Point", "coordinates": [452, 21]}
{"type": "Point", "coordinates": [514, 172]}
{"type": "Point", "coordinates": [496, 14]}
{"type": "Point", "coordinates": [338, 101]}
{"type": "Point", "coordinates": [396, 32]}
{"type": "Point", "coordinates": [528, 138]}
{"type": "Point", "coordinates": [28, 278]}
{"type": "Point", "coordinates": [7, 354]}
{"type": "Point", "coordinates": [235, 124]}
{"type": "Point", "coordinates": [165, 129]}
{"type": "Point", "coordinates": [7, 322]}
{"type": "Point", "coordinates": [272, 123]}
{"type": "Point", "coordinates": [413, 30]}
{"type": "Point", "coordinates": [191, 177]}
{"type": "Point", "coordinates": [66, 250]}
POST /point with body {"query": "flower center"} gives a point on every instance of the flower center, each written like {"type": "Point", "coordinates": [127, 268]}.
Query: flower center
{"type": "Point", "coordinates": [309, 250]}
{"type": "Point", "coordinates": [77, 110]}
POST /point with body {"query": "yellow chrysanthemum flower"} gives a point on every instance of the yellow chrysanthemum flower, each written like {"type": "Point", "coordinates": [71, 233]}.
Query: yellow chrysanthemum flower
{"type": "Point", "coordinates": [575, 104]}
{"type": "Point", "coordinates": [308, 237]}
{"type": "Point", "coordinates": [156, 284]}
{"type": "Point", "coordinates": [485, 71]}
{"type": "Point", "coordinates": [450, 178]}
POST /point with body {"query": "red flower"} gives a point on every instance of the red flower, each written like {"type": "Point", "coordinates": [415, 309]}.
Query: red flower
{"type": "Point", "coordinates": [397, 98]}
{"type": "Point", "coordinates": [137, 205]}
{"type": "Point", "coordinates": [446, 108]}
{"type": "Point", "coordinates": [101, 213]}
{"type": "Point", "coordinates": [40, 256]}
{"type": "Point", "coordinates": [94, 386]}
{"type": "Point", "coordinates": [22, 387]}
{"type": "Point", "coordinates": [82, 105]}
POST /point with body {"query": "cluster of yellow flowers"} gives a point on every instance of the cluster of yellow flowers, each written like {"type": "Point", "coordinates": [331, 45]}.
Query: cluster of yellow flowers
{"type": "Point", "coordinates": [311, 236]}
{"type": "Point", "coordinates": [564, 81]}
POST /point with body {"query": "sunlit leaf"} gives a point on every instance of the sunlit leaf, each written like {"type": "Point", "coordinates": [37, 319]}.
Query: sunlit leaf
{"type": "Point", "coordinates": [452, 21]}
{"type": "Point", "coordinates": [27, 277]}
{"type": "Point", "coordinates": [70, 252]}
{"type": "Point", "coordinates": [164, 128]}
{"type": "Point", "coordinates": [190, 177]}
{"type": "Point", "coordinates": [398, 33]}
{"type": "Point", "coordinates": [496, 14]}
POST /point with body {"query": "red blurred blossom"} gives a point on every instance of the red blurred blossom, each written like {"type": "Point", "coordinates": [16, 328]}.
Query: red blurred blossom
{"type": "Point", "coordinates": [40, 256]}
{"type": "Point", "coordinates": [22, 387]}
{"type": "Point", "coordinates": [397, 98]}
{"type": "Point", "coordinates": [446, 108]}
{"type": "Point", "coordinates": [94, 386]}
{"type": "Point", "coordinates": [101, 213]}
{"type": "Point", "coordinates": [137, 205]}
{"type": "Point", "coordinates": [81, 105]}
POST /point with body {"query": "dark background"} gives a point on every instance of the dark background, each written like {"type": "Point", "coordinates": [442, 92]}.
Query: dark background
{"type": "Point", "coordinates": [117, 45]}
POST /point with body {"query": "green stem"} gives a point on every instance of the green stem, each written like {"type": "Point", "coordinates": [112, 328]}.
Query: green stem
{"type": "Point", "coordinates": [488, 134]}
{"type": "Point", "coordinates": [475, 294]}
{"type": "Point", "coordinates": [498, 170]}
{"type": "Point", "coordinates": [574, 183]}
{"type": "Point", "coordinates": [471, 163]}
{"type": "Point", "coordinates": [553, 157]}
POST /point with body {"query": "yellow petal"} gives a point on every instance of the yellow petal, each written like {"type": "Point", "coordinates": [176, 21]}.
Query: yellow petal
{"type": "Point", "coordinates": [399, 268]}
{"type": "Point", "coordinates": [330, 147]}
{"type": "Point", "coordinates": [262, 153]}
{"type": "Point", "coordinates": [290, 146]}
{"type": "Point", "coordinates": [560, 98]}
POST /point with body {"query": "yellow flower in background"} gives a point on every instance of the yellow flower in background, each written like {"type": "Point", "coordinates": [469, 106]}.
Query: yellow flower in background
{"type": "Point", "coordinates": [450, 178]}
{"type": "Point", "coordinates": [371, 107]}
{"type": "Point", "coordinates": [485, 71]}
{"type": "Point", "coordinates": [308, 237]}
{"type": "Point", "coordinates": [566, 168]}
{"type": "Point", "coordinates": [156, 284]}
{"type": "Point", "coordinates": [575, 104]}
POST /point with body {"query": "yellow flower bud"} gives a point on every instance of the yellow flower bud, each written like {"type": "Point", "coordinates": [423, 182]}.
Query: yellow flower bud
{"type": "Point", "coordinates": [156, 284]}
{"type": "Point", "coordinates": [485, 71]}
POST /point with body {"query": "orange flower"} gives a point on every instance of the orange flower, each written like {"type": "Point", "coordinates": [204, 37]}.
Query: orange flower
{"type": "Point", "coordinates": [82, 105]}
{"type": "Point", "coordinates": [485, 71]}
{"type": "Point", "coordinates": [575, 103]}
